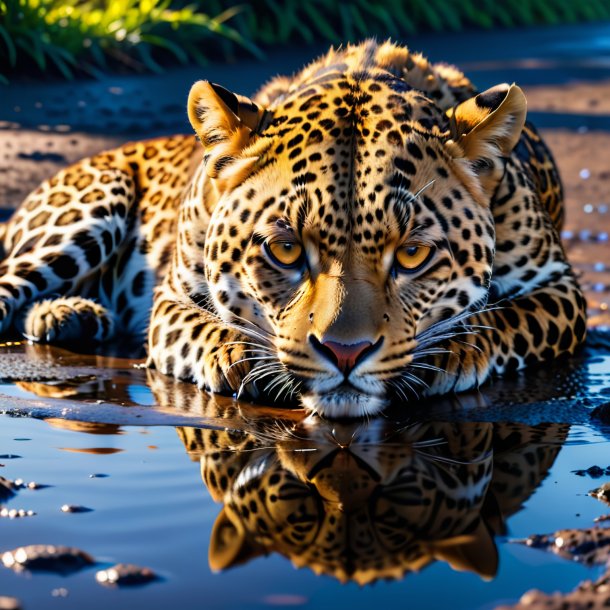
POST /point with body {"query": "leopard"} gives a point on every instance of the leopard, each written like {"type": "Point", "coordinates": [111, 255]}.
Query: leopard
{"type": "Point", "coordinates": [363, 501]}
{"type": "Point", "coordinates": [367, 231]}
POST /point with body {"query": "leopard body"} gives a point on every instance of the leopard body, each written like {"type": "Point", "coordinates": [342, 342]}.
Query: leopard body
{"type": "Point", "coordinates": [370, 229]}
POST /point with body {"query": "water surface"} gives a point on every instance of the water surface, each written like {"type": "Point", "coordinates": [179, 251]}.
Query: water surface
{"type": "Point", "coordinates": [223, 500]}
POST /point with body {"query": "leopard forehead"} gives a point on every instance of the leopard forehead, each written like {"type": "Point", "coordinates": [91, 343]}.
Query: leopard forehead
{"type": "Point", "coordinates": [345, 159]}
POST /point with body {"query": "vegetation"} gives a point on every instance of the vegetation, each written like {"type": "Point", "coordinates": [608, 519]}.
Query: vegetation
{"type": "Point", "coordinates": [70, 36]}
{"type": "Point", "coordinates": [92, 35]}
{"type": "Point", "coordinates": [277, 21]}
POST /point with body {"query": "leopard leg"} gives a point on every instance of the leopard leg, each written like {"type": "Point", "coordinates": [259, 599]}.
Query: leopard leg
{"type": "Point", "coordinates": [63, 234]}
{"type": "Point", "coordinates": [193, 344]}
{"type": "Point", "coordinates": [67, 319]}
{"type": "Point", "coordinates": [543, 325]}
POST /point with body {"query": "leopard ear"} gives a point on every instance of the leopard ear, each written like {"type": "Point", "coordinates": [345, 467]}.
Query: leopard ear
{"type": "Point", "coordinates": [229, 543]}
{"type": "Point", "coordinates": [225, 123]}
{"type": "Point", "coordinates": [483, 131]}
{"type": "Point", "coordinates": [475, 552]}
{"type": "Point", "coordinates": [489, 124]}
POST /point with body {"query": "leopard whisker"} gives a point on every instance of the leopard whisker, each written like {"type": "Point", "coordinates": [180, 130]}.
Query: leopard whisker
{"type": "Point", "coordinates": [256, 345]}
{"type": "Point", "coordinates": [399, 390]}
{"type": "Point", "coordinates": [287, 384]}
{"type": "Point", "coordinates": [250, 359]}
{"type": "Point", "coordinates": [472, 345]}
{"type": "Point", "coordinates": [432, 351]}
{"type": "Point", "coordinates": [429, 367]}
{"type": "Point", "coordinates": [448, 460]}
{"type": "Point", "coordinates": [442, 325]}
{"type": "Point", "coordinates": [256, 374]}
{"type": "Point", "coordinates": [258, 327]}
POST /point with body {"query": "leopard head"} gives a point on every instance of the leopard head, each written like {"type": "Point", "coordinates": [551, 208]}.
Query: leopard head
{"type": "Point", "coordinates": [358, 504]}
{"type": "Point", "coordinates": [350, 223]}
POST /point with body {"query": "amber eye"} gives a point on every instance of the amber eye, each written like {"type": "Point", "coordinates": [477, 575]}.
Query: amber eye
{"type": "Point", "coordinates": [286, 254]}
{"type": "Point", "coordinates": [411, 258]}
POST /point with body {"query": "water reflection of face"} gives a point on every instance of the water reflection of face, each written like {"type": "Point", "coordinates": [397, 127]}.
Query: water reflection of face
{"type": "Point", "coordinates": [368, 501]}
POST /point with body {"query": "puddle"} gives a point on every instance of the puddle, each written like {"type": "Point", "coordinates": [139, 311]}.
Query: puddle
{"type": "Point", "coordinates": [223, 516]}
{"type": "Point", "coordinates": [221, 501]}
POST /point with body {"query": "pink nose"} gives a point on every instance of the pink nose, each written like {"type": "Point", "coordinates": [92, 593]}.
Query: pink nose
{"type": "Point", "coordinates": [346, 356]}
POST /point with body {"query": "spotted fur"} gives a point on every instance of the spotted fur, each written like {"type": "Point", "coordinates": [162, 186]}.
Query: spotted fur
{"type": "Point", "coordinates": [369, 152]}
{"type": "Point", "coordinates": [367, 502]}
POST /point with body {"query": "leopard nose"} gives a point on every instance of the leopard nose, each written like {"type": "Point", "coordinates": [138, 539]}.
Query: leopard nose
{"type": "Point", "coordinates": [345, 356]}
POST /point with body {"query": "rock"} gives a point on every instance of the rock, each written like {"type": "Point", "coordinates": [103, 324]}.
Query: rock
{"type": "Point", "coordinates": [9, 603]}
{"type": "Point", "coordinates": [595, 471]}
{"type": "Point", "coordinates": [15, 513]}
{"type": "Point", "coordinates": [593, 595]}
{"type": "Point", "coordinates": [588, 546]}
{"type": "Point", "coordinates": [47, 558]}
{"type": "Point", "coordinates": [7, 489]}
{"type": "Point", "coordinates": [602, 413]}
{"type": "Point", "coordinates": [125, 574]}
{"type": "Point", "coordinates": [75, 508]}
{"type": "Point", "coordinates": [602, 493]}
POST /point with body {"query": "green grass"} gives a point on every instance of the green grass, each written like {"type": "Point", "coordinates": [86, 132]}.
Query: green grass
{"type": "Point", "coordinates": [270, 22]}
{"type": "Point", "coordinates": [91, 36]}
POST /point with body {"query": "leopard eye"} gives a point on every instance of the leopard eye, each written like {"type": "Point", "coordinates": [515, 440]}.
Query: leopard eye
{"type": "Point", "coordinates": [287, 254]}
{"type": "Point", "coordinates": [413, 257]}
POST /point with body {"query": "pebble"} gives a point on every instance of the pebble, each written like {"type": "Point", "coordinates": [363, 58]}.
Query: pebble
{"type": "Point", "coordinates": [593, 471]}
{"type": "Point", "coordinates": [14, 513]}
{"type": "Point", "coordinates": [602, 413]}
{"type": "Point", "coordinates": [584, 173]}
{"type": "Point", "coordinates": [75, 508]}
{"type": "Point", "coordinates": [7, 489]}
{"type": "Point", "coordinates": [602, 493]}
{"type": "Point", "coordinates": [125, 574]}
{"type": "Point", "coordinates": [48, 558]}
{"type": "Point", "coordinates": [10, 487]}
{"type": "Point", "coordinates": [34, 485]}
{"type": "Point", "coordinates": [9, 603]}
{"type": "Point", "coordinates": [588, 546]}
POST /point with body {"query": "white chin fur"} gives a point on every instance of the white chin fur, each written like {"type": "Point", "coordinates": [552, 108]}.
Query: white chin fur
{"type": "Point", "coordinates": [336, 405]}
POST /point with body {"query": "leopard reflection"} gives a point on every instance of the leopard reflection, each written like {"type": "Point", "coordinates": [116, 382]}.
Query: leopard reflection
{"type": "Point", "coordinates": [367, 501]}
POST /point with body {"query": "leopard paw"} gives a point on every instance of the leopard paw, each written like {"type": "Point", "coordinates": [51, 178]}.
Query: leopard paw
{"type": "Point", "coordinates": [6, 316]}
{"type": "Point", "coordinates": [226, 367]}
{"type": "Point", "coordinates": [67, 319]}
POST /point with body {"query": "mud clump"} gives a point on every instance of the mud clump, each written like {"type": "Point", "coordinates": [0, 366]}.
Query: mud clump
{"type": "Point", "coordinates": [125, 574]}
{"type": "Point", "coordinates": [47, 558]}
